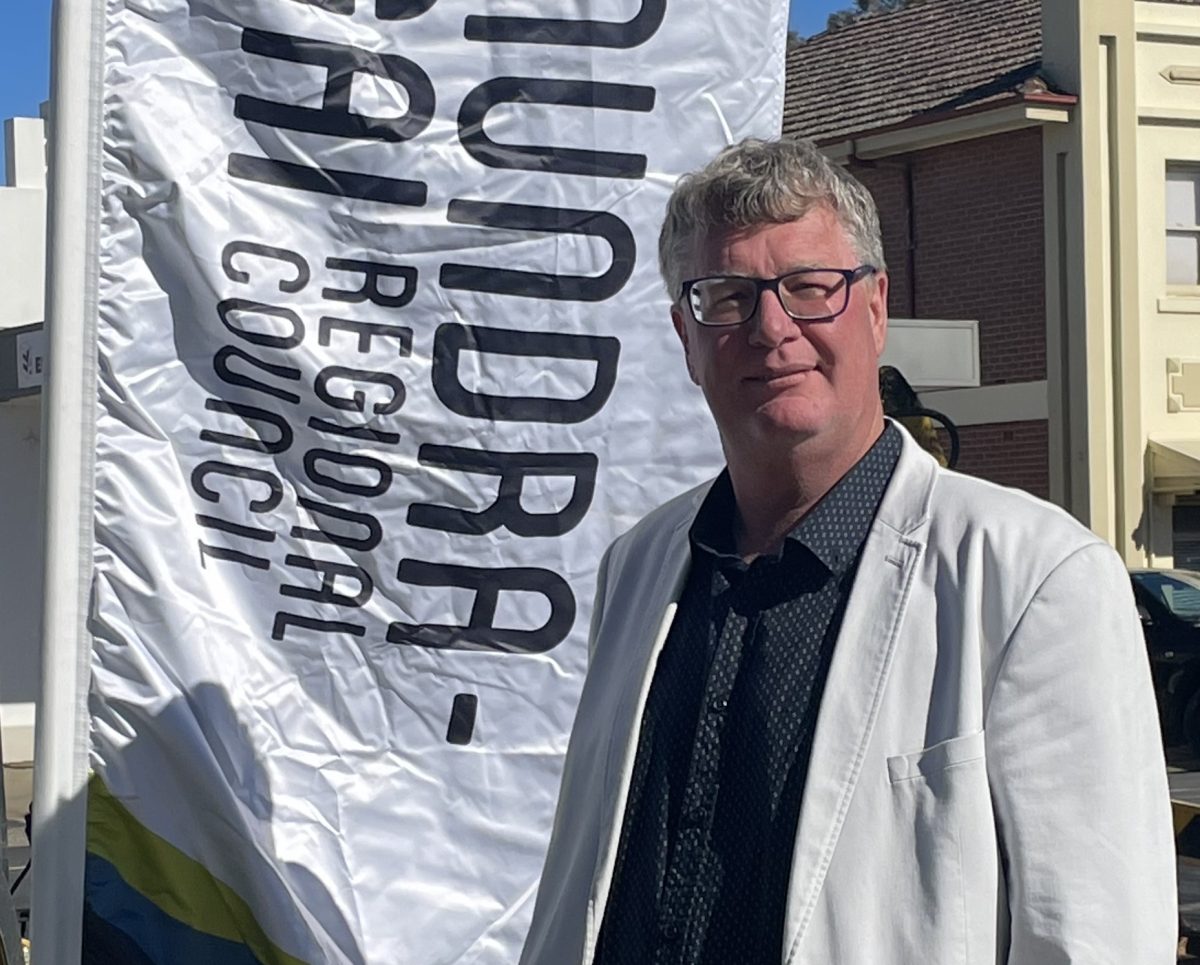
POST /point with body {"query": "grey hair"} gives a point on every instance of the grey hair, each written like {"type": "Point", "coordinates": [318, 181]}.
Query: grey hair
{"type": "Point", "coordinates": [758, 182]}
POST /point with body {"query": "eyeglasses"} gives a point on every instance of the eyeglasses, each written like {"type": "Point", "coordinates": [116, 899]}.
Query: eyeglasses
{"type": "Point", "coordinates": [807, 295]}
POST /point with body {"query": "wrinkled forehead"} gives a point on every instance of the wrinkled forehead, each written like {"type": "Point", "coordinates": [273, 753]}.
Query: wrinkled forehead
{"type": "Point", "coordinates": [815, 239]}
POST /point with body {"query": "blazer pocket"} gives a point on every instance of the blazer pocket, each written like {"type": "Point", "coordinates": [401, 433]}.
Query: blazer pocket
{"type": "Point", "coordinates": [936, 758]}
{"type": "Point", "coordinates": [941, 854]}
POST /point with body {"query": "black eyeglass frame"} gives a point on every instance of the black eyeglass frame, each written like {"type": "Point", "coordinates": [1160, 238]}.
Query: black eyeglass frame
{"type": "Point", "coordinates": [851, 275]}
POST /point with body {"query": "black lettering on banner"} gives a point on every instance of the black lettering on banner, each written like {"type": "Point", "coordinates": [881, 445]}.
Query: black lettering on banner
{"type": "Point", "coordinates": [231, 556]}
{"type": "Point", "coordinates": [462, 719]}
{"type": "Point", "coordinates": [451, 339]}
{"type": "Point", "coordinates": [373, 532]}
{"type": "Point", "coordinates": [221, 365]}
{"type": "Point", "coordinates": [576, 33]}
{"type": "Point", "coordinates": [372, 272]}
{"type": "Point", "coordinates": [344, 7]}
{"type": "Point", "coordinates": [552, 160]}
{"type": "Point", "coordinates": [382, 470]}
{"type": "Point", "coordinates": [401, 9]}
{"type": "Point", "coordinates": [488, 584]}
{"type": "Point", "coordinates": [330, 572]}
{"type": "Point", "coordinates": [513, 468]}
{"type": "Point", "coordinates": [250, 414]}
{"type": "Point", "coordinates": [365, 331]}
{"type": "Point", "coordinates": [341, 63]}
{"type": "Point", "coordinates": [235, 529]}
{"type": "Point", "coordinates": [340, 184]}
{"type": "Point", "coordinates": [384, 9]}
{"type": "Point", "coordinates": [263, 477]}
{"type": "Point", "coordinates": [538, 284]}
{"type": "Point", "coordinates": [285, 620]}
{"type": "Point", "coordinates": [244, 306]}
{"type": "Point", "coordinates": [266, 251]}
{"type": "Point", "coordinates": [357, 401]}
{"type": "Point", "coordinates": [354, 432]}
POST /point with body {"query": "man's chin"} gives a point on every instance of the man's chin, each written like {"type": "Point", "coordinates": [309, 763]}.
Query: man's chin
{"type": "Point", "coordinates": [794, 418]}
{"type": "Point", "coordinates": [772, 432]}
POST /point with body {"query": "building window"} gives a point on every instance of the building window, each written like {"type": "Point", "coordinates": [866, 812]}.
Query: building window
{"type": "Point", "coordinates": [1183, 224]}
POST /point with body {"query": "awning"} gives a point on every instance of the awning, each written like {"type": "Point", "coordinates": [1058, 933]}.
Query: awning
{"type": "Point", "coordinates": [1174, 465]}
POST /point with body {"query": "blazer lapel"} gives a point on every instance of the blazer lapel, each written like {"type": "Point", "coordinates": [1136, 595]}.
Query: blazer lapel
{"type": "Point", "coordinates": [857, 675]}
{"type": "Point", "coordinates": [645, 627]}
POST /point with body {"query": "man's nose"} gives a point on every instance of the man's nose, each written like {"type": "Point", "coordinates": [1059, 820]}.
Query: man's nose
{"type": "Point", "coordinates": [771, 325]}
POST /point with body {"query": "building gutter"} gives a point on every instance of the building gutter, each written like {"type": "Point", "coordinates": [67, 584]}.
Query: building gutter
{"type": "Point", "coordinates": [932, 130]}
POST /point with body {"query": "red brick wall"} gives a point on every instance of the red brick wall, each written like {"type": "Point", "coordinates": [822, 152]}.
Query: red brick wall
{"type": "Point", "coordinates": [977, 252]}
{"type": "Point", "coordinates": [1009, 453]}
{"type": "Point", "coordinates": [978, 249]}
{"type": "Point", "coordinates": [887, 183]}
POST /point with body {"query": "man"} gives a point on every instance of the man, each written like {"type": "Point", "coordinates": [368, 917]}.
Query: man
{"type": "Point", "coordinates": [845, 706]}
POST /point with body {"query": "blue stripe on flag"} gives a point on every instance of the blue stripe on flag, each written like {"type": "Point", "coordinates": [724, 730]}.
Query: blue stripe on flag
{"type": "Point", "coordinates": [141, 932]}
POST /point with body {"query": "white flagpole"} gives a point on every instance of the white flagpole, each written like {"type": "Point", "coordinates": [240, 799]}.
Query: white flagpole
{"type": "Point", "coordinates": [68, 407]}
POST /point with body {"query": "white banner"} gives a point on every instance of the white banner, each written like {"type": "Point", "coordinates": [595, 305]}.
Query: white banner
{"type": "Point", "coordinates": [385, 363]}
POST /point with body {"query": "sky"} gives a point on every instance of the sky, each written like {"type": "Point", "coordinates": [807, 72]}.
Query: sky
{"type": "Point", "coordinates": [25, 50]}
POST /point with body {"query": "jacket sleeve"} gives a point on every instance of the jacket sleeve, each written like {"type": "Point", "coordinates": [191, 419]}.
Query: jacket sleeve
{"type": "Point", "coordinates": [562, 917]}
{"type": "Point", "coordinates": [1077, 776]}
{"type": "Point", "coordinates": [598, 601]}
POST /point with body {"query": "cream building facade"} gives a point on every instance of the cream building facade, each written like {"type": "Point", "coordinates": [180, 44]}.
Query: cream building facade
{"type": "Point", "coordinates": [1109, 94]}
{"type": "Point", "coordinates": [1122, 190]}
{"type": "Point", "coordinates": [22, 352]}
{"type": "Point", "coordinates": [22, 355]}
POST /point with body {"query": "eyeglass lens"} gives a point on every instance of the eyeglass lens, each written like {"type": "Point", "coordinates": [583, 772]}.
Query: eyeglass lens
{"type": "Point", "coordinates": [804, 294]}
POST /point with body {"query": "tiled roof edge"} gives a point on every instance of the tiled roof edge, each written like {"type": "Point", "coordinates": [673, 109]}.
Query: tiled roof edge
{"type": "Point", "coordinates": [936, 117]}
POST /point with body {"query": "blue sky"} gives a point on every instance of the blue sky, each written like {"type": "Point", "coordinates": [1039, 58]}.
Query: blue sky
{"type": "Point", "coordinates": [25, 50]}
{"type": "Point", "coordinates": [24, 57]}
{"type": "Point", "coordinates": [808, 17]}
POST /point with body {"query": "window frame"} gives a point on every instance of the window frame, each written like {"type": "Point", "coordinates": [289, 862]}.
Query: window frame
{"type": "Point", "coordinates": [1189, 170]}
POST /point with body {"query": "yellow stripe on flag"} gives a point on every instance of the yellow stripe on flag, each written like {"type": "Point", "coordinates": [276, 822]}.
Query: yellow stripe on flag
{"type": "Point", "coordinates": [178, 885]}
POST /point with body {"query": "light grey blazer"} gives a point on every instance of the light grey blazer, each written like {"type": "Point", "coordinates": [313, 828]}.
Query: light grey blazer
{"type": "Point", "coordinates": [987, 780]}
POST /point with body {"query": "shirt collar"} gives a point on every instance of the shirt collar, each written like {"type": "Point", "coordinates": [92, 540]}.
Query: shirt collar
{"type": "Point", "coordinates": [833, 530]}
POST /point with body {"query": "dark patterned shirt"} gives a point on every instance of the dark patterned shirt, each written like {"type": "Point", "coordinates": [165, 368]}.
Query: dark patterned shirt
{"type": "Point", "coordinates": [705, 852]}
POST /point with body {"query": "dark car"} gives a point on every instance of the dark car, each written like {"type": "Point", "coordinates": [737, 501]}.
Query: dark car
{"type": "Point", "coordinates": [1168, 602]}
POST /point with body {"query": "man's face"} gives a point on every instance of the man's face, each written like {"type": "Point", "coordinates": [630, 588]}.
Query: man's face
{"type": "Point", "coordinates": [774, 380]}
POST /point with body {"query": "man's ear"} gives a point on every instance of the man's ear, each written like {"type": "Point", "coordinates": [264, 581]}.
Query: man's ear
{"type": "Point", "coordinates": [877, 308]}
{"type": "Point", "coordinates": [680, 324]}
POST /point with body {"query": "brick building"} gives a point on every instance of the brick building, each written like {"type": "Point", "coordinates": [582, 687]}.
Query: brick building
{"type": "Point", "coordinates": [938, 108]}
{"type": "Point", "coordinates": [1037, 171]}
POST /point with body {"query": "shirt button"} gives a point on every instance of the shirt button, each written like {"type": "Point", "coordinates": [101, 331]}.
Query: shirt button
{"type": "Point", "coordinates": [718, 705]}
{"type": "Point", "coordinates": [669, 930]}
{"type": "Point", "coordinates": [694, 817]}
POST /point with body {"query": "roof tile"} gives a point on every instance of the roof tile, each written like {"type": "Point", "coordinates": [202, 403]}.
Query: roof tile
{"type": "Point", "coordinates": [931, 56]}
